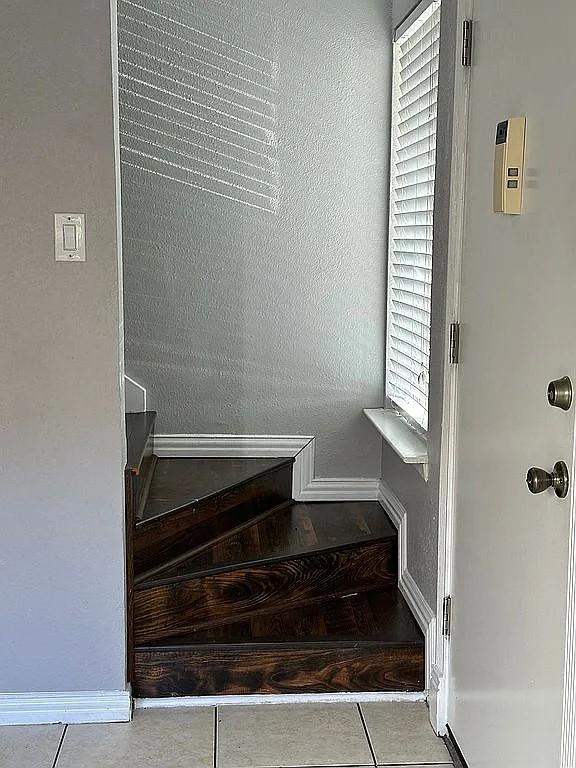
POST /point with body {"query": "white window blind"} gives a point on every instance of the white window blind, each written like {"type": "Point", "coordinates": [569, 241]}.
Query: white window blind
{"type": "Point", "coordinates": [412, 172]}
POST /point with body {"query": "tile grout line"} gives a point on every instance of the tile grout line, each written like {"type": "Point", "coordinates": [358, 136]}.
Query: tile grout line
{"type": "Point", "coordinates": [59, 749]}
{"type": "Point", "coordinates": [367, 734]}
{"type": "Point", "coordinates": [215, 750]}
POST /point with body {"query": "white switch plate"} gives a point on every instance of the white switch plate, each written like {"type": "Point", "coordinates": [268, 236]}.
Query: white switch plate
{"type": "Point", "coordinates": [63, 253]}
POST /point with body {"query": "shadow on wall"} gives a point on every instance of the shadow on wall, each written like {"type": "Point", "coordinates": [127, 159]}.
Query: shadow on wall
{"type": "Point", "coordinates": [196, 109]}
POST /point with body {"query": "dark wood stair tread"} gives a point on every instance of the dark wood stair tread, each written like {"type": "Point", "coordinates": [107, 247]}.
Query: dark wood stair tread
{"type": "Point", "coordinates": [381, 617]}
{"type": "Point", "coordinates": [181, 482]}
{"type": "Point", "coordinates": [297, 529]}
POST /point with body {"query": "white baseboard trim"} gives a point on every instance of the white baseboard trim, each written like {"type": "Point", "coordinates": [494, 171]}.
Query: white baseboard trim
{"type": "Point", "coordinates": [419, 606]}
{"type": "Point", "coordinates": [281, 698]}
{"type": "Point", "coordinates": [437, 701]}
{"type": "Point", "coordinates": [230, 446]}
{"type": "Point", "coordinates": [305, 487]}
{"type": "Point", "coordinates": [66, 707]}
{"type": "Point", "coordinates": [340, 489]}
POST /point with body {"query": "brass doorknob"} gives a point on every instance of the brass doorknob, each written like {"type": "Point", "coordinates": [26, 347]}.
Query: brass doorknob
{"type": "Point", "coordinates": [539, 480]}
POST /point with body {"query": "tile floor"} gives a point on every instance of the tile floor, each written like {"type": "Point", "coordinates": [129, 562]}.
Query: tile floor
{"type": "Point", "coordinates": [268, 736]}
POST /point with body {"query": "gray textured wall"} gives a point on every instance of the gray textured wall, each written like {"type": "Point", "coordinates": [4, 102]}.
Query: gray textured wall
{"type": "Point", "coordinates": [61, 562]}
{"type": "Point", "coordinates": [419, 497]}
{"type": "Point", "coordinates": [401, 9]}
{"type": "Point", "coordinates": [254, 176]}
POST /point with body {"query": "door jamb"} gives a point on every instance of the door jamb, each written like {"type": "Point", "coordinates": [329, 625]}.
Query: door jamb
{"type": "Point", "coordinates": [568, 738]}
{"type": "Point", "coordinates": [440, 668]}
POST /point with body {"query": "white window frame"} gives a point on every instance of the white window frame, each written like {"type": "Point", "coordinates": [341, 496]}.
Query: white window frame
{"type": "Point", "coordinates": [407, 368]}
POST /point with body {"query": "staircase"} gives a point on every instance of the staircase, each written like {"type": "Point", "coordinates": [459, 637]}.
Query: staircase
{"type": "Point", "coordinates": [236, 589]}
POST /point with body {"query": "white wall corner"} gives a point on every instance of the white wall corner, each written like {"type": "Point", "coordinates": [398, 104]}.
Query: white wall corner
{"type": "Point", "coordinates": [303, 470]}
{"type": "Point", "coordinates": [419, 606]}
{"type": "Point", "coordinates": [67, 707]}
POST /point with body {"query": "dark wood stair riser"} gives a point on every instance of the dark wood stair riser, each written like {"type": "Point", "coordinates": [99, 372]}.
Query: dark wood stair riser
{"type": "Point", "coordinates": [138, 473]}
{"type": "Point", "coordinates": [206, 670]}
{"type": "Point", "coordinates": [169, 536]}
{"type": "Point", "coordinates": [183, 606]}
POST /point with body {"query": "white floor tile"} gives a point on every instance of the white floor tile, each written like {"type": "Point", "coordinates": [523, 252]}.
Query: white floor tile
{"type": "Point", "coordinates": [156, 738]}
{"type": "Point", "coordinates": [401, 734]}
{"type": "Point", "coordinates": [29, 746]}
{"type": "Point", "coordinates": [270, 736]}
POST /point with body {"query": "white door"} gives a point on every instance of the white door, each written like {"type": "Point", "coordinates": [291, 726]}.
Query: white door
{"type": "Point", "coordinates": [518, 313]}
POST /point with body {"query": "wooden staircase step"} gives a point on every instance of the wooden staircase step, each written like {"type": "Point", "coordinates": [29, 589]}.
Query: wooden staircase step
{"type": "Point", "coordinates": [362, 642]}
{"type": "Point", "coordinates": [192, 602]}
{"type": "Point", "coordinates": [380, 615]}
{"type": "Point", "coordinates": [192, 501]}
{"type": "Point", "coordinates": [295, 529]}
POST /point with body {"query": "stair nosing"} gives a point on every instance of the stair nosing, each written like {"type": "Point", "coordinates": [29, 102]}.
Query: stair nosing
{"type": "Point", "coordinates": [282, 645]}
{"type": "Point", "coordinates": [143, 585]}
{"type": "Point", "coordinates": [159, 518]}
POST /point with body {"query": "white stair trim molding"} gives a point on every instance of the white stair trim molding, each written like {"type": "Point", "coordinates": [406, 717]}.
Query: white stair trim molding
{"type": "Point", "coordinates": [438, 699]}
{"type": "Point", "coordinates": [419, 606]}
{"type": "Point", "coordinates": [251, 699]}
{"type": "Point", "coordinates": [340, 489]}
{"type": "Point", "coordinates": [301, 447]}
{"type": "Point", "coordinates": [67, 707]}
{"type": "Point", "coordinates": [230, 446]}
{"type": "Point", "coordinates": [305, 487]}
{"type": "Point", "coordinates": [135, 396]}
{"type": "Point", "coordinates": [303, 469]}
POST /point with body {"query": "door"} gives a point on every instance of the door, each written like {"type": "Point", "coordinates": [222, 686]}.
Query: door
{"type": "Point", "coordinates": [518, 314]}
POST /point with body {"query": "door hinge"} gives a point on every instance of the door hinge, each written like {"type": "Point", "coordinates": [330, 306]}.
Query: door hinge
{"type": "Point", "coordinates": [446, 616]}
{"type": "Point", "coordinates": [454, 344]}
{"type": "Point", "coordinates": [467, 43]}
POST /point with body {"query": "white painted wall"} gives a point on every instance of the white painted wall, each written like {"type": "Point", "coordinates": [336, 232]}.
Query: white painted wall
{"type": "Point", "coordinates": [62, 624]}
{"type": "Point", "coordinates": [270, 319]}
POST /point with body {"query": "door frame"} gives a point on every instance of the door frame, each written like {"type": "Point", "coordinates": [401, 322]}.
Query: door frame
{"type": "Point", "coordinates": [440, 664]}
{"type": "Point", "coordinates": [438, 696]}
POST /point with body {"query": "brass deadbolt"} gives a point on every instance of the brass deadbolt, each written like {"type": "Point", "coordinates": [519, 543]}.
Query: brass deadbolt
{"type": "Point", "coordinates": [560, 393]}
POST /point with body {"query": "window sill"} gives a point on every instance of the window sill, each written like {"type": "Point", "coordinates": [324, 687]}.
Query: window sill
{"type": "Point", "coordinates": [405, 441]}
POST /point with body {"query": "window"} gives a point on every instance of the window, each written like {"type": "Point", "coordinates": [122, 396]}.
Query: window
{"type": "Point", "coordinates": [412, 172]}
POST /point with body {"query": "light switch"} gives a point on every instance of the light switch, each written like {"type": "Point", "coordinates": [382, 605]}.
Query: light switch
{"type": "Point", "coordinates": [70, 240]}
{"type": "Point", "coordinates": [69, 237]}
